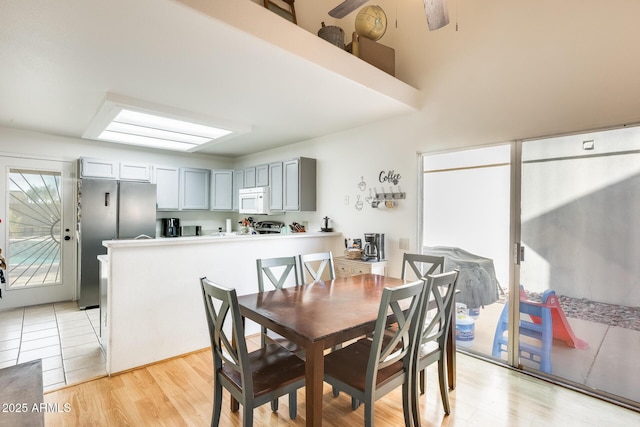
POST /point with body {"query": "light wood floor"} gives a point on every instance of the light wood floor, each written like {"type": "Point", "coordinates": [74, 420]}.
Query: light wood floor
{"type": "Point", "coordinates": [179, 392]}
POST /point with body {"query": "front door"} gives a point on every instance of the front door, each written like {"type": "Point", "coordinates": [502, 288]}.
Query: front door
{"type": "Point", "coordinates": [37, 232]}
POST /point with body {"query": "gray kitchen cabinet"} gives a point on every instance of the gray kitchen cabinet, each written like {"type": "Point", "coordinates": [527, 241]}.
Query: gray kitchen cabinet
{"type": "Point", "coordinates": [299, 184]}
{"type": "Point", "coordinates": [194, 188]}
{"type": "Point", "coordinates": [135, 172]}
{"type": "Point", "coordinates": [262, 176]}
{"type": "Point", "coordinates": [250, 177]}
{"type": "Point", "coordinates": [276, 186]}
{"type": "Point", "coordinates": [167, 179]}
{"type": "Point", "coordinates": [222, 190]}
{"type": "Point", "coordinates": [238, 183]}
{"type": "Point", "coordinates": [99, 168]}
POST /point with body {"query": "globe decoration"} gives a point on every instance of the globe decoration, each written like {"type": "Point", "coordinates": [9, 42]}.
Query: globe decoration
{"type": "Point", "coordinates": [371, 22]}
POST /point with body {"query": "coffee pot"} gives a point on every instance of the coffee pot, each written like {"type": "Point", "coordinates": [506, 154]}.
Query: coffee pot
{"type": "Point", "coordinates": [374, 246]}
{"type": "Point", "coordinates": [170, 227]}
{"type": "Point", "coordinates": [325, 224]}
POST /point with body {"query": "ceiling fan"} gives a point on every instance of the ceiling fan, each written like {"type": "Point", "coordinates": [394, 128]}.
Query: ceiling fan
{"type": "Point", "coordinates": [437, 12]}
{"type": "Point", "coordinates": [345, 8]}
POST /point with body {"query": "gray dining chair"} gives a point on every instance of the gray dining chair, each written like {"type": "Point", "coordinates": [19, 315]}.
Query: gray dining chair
{"type": "Point", "coordinates": [315, 264]}
{"type": "Point", "coordinates": [255, 378]}
{"type": "Point", "coordinates": [370, 368]}
{"type": "Point", "coordinates": [277, 272]}
{"type": "Point", "coordinates": [432, 338]}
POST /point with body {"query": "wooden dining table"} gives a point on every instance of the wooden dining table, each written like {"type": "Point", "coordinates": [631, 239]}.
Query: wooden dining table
{"type": "Point", "coordinates": [319, 315]}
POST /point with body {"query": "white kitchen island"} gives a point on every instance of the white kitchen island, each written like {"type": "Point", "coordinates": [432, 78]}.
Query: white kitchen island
{"type": "Point", "coordinates": [155, 308]}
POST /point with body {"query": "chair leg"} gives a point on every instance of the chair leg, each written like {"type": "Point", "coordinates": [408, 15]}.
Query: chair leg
{"type": "Point", "coordinates": [274, 405]}
{"type": "Point", "coordinates": [335, 391]}
{"type": "Point", "coordinates": [444, 388]}
{"type": "Point", "coordinates": [217, 404]}
{"type": "Point", "coordinates": [368, 414]}
{"type": "Point", "coordinates": [247, 416]}
{"type": "Point", "coordinates": [262, 338]}
{"type": "Point", "coordinates": [355, 403]}
{"type": "Point", "coordinates": [293, 405]}
{"type": "Point", "coordinates": [415, 403]}
{"type": "Point", "coordinates": [407, 403]}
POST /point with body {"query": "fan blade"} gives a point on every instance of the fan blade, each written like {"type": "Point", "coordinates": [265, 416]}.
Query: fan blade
{"type": "Point", "coordinates": [437, 13]}
{"type": "Point", "coordinates": [345, 8]}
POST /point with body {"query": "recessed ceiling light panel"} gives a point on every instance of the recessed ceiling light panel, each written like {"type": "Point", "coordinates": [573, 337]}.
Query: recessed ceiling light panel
{"type": "Point", "coordinates": [126, 121]}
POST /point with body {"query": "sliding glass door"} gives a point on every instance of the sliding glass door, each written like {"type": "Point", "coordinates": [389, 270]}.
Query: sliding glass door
{"type": "Point", "coordinates": [580, 230]}
{"type": "Point", "coordinates": [547, 235]}
{"type": "Point", "coordinates": [466, 218]}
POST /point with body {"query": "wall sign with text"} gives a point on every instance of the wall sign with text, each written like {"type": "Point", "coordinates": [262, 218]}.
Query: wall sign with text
{"type": "Point", "coordinates": [389, 177]}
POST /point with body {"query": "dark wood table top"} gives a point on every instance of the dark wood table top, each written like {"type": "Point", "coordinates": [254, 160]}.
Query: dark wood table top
{"type": "Point", "coordinates": [320, 310]}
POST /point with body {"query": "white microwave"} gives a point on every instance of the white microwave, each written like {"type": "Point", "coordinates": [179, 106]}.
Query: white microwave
{"type": "Point", "coordinates": [254, 201]}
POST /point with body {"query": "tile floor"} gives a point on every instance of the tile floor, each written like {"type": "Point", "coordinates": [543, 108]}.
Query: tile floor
{"type": "Point", "coordinates": [64, 337]}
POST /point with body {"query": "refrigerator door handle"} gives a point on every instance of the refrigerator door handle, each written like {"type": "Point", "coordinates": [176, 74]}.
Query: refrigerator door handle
{"type": "Point", "coordinates": [106, 198]}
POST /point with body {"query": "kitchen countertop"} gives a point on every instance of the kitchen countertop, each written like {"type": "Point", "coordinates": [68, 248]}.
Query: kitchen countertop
{"type": "Point", "coordinates": [223, 237]}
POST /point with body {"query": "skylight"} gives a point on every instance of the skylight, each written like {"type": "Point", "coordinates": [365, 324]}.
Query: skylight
{"type": "Point", "coordinates": [123, 121]}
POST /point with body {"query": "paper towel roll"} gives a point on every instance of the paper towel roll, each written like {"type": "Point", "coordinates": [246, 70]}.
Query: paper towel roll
{"type": "Point", "coordinates": [228, 225]}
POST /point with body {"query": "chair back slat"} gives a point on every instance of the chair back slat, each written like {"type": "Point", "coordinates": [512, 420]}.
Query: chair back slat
{"type": "Point", "coordinates": [436, 322]}
{"type": "Point", "coordinates": [405, 303]}
{"type": "Point", "coordinates": [221, 304]}
{"type": "Point", "coordinates": [278, 272]}
{"type": "Point", "coordinates": [422, 265]}
{"type": "Point", "coordinates": [315, 264]}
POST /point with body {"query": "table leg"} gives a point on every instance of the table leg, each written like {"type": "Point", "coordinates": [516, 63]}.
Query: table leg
{"type": "Point", "coordinates": [314, 377]}
{"type": "Point", "coordinates": [451, 352]}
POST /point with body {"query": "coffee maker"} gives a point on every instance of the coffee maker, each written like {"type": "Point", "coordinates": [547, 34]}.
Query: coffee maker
{"type": "Point", "coordinates": [373, 246]}
{"type": "Point", "coordinates": [170, 227]}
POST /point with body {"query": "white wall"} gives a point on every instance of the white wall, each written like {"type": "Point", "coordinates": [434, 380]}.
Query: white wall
{"type": "Point", "coordinates": [504, 70]}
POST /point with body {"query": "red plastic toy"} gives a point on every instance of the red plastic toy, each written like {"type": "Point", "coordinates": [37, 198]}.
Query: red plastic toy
{"type": "Point", "coordinates": [561, 328]}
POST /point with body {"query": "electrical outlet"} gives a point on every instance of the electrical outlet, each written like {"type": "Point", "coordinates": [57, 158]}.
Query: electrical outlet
{"type": "Point", "coordinates": [404, 244]}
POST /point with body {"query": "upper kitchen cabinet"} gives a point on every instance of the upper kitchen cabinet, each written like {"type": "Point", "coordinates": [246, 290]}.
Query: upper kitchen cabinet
{"type": "Point", "coordinates": [98, 168]}
{"type": "Point", "coordinates": [250, 177]}
{"type": "Point", "coordinates": [194, 188]}
{"type": "Point", "coordinates": [135, 172]}
{"type": "Point", "coordinates": [113, 169]}
{"type": "Point", "coordinates": [276, 187]}
{"type": "Point", "coordinates": [222, 190]}
{"type": "Point", "coordinates": [238, 183]}
{"type": "Point", "coordinates": [167, 181]}
{"type": "Point", "coordinates": [262, 176]}
{"type": "Point", "coordinates": [299, 184]}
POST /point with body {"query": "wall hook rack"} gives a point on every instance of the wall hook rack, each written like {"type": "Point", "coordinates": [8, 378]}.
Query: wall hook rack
{"type": "Point", "coordinates": [387, 199]}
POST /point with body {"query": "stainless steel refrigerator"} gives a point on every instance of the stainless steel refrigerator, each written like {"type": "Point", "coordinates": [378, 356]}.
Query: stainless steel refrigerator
{"type": "Point", "coordinates": [109, 210]}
